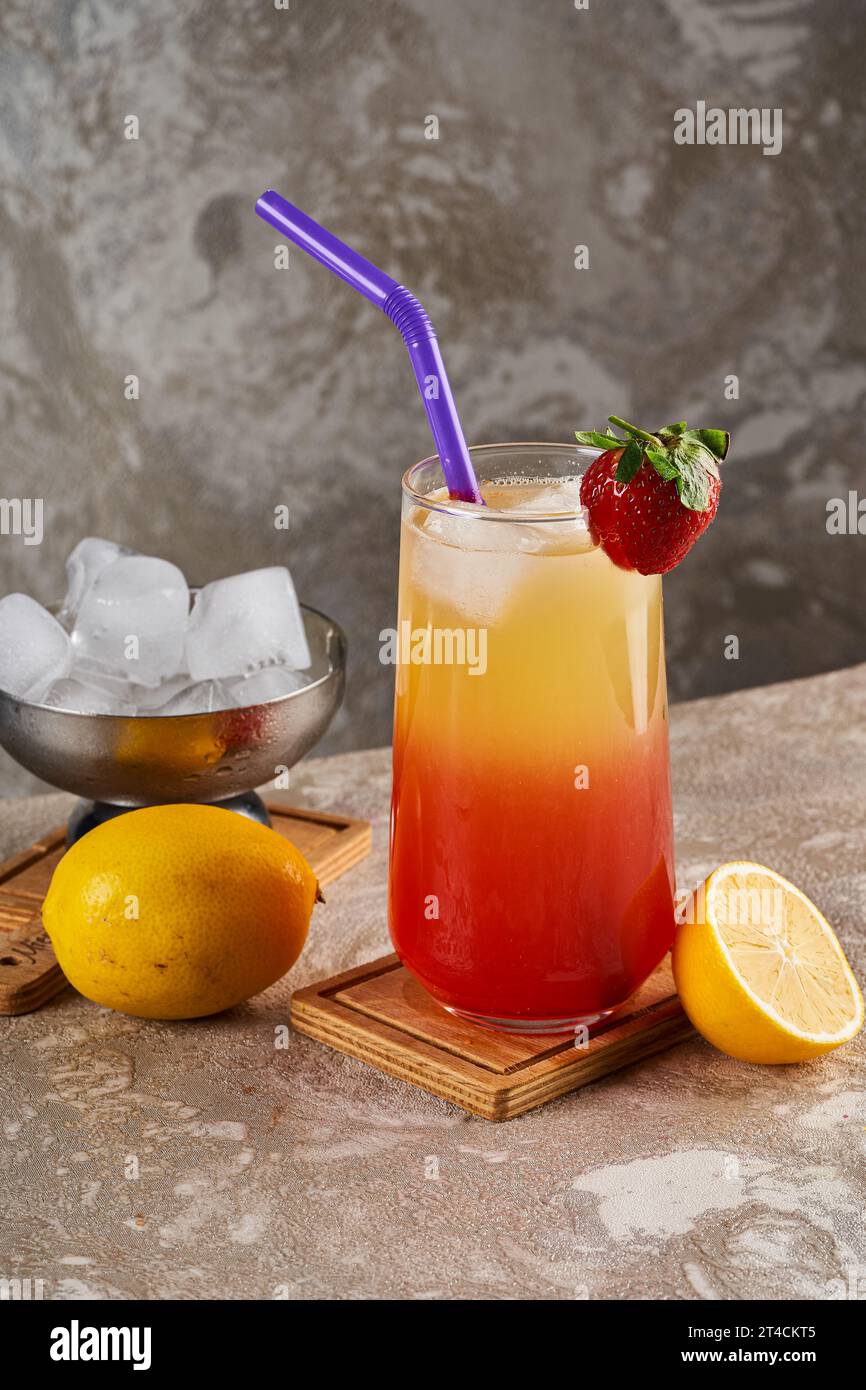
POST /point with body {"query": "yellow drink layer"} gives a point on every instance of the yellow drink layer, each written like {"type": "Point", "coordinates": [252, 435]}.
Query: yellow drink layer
{"type": "Point", "coordinates": [562, 652]}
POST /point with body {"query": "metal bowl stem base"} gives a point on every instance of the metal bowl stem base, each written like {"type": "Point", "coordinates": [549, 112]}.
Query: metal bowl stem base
{"type": "Point", "coordinates": [88, 814]}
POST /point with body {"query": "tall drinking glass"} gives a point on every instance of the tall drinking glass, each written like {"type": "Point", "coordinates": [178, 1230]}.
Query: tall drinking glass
{"type": "Point", "coordinates": [531, 871]}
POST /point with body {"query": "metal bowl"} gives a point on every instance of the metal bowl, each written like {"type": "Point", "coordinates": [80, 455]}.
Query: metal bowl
{"type": "Point", "coordinates": [138, 760]}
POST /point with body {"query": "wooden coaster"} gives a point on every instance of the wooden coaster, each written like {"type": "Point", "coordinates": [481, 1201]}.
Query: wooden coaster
{"type": "Point", "coordinates": [381, 1015]}
{"type": "Point", "coordinates": [29, 974]}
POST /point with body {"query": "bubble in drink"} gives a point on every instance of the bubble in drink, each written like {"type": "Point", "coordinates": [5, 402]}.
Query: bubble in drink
{"type": "Point", "coordinates": [241, 624]}
{"type": "Point", "coordinates": [87, 561]}
{"type": "Point", "coordinates": [132, 619]}
{"type": "Point", "coordinates": [271, 684]}
{"type": "Point", "coordinates": [34, 649]}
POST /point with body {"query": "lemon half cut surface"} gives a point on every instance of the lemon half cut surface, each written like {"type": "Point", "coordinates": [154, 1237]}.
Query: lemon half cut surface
{"type": "Point", "coordinates": [760, 971]}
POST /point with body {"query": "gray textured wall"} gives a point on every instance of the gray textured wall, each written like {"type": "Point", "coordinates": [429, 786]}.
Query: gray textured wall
{"type": "Point", "coordinates": [261, 386]}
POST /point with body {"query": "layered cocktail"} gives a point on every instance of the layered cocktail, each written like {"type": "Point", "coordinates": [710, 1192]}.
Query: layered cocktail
{"type": "Point", "coordinates": [532, 877]}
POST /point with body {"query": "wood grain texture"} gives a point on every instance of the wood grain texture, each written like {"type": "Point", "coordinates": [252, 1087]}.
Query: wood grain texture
{"type": "Point", "coordinates": [379, 1014]}
{"type": "Point", "coordinates": [29, 973]}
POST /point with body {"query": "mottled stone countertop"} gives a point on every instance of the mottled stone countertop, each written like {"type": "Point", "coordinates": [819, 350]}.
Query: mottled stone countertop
{"type": "Point", "coordinates": [302, 1173]}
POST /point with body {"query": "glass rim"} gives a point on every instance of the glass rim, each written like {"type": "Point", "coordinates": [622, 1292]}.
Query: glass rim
{"type": "Point", "coordinates": [454, 507]}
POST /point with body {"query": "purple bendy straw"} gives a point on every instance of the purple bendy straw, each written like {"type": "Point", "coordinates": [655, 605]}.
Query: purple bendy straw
{"type": "Point", "coordinates": [409, 316]}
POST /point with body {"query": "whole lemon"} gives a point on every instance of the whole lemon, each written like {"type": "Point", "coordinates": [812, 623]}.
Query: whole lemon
{"type": "Point", "coordinates": [178, 911]}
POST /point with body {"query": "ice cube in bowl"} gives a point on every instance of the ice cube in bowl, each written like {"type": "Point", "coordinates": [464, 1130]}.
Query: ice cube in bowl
{"type": "Point", "coordinates": [197, 697]}
{"type": "Point", "coordinates": [272, 683]}
{"type": "Point", "coordinates": [152, 700]}
{"type": "Point", "coordinates": [81, 698]}
{"type": "Point", "coordinates": [132, 619]}
{"type": "Point", "coordinates": [86, 562]}
{"type": "Point", "coordinates": [248, 621]}
{"type": "Point", "coordinates": [34, 649]}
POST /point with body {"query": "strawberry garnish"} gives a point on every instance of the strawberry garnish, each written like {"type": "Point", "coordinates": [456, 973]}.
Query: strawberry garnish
{"type": "Point", "coordinates": [649, 496]}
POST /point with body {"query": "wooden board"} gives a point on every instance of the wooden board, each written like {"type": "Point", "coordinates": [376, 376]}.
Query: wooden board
{"type": "Point", "coordinates": [381, 1015]}
{"type": "Point", "coordinates": [29, 974]}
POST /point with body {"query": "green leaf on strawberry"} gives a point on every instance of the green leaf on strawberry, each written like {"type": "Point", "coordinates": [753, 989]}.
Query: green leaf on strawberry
{"type": "Point", "coordinates": [692, 486]}
{"type": "Point", "coordinates": [717, 441]}
{"type": "Point", "coordinates": [650, 495]}
{"type": "Point", "coordinates": [597, 441]}
{"type": "Point", "coordinates": [661, 463]}
{"type": "Point", "coordinates": [630, 461]}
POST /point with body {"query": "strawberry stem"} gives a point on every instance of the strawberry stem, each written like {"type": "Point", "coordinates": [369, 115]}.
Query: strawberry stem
{"type": "Point", "coordinates": [635, 432]}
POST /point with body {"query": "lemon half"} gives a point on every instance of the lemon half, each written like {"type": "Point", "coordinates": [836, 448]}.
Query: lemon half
{"type": "Point", "coordinates": [760, 971]}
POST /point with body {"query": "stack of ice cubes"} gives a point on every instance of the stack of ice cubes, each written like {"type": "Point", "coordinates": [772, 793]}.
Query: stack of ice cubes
{"type": "Point", "coordinates": [126, 641]}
